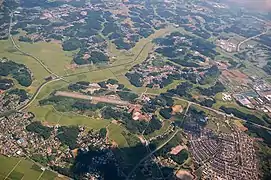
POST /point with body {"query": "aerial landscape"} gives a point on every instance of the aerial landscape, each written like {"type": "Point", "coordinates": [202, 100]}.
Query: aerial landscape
{"type": "Point", "coordinates": [135, 89]}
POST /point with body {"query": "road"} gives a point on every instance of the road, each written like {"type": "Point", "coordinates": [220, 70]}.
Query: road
{"type": "Point", "coordinates": [189, 104]}
{"type": "Point", "coordinates": [25, 53]}
{"type": "Point", "coordinates": [248, 39]}
{"type": "Point", "coordinates": [123, 64]}
{"type": "Point", "coordinates": [150, 154]}
{"type": "Point", "coordinates": [23, 107]}
{"type": "Point", "coordinates": [222, 113]}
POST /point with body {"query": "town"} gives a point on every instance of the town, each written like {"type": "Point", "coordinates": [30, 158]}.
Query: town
{"type": "Point", "coordinates": [228, 156]}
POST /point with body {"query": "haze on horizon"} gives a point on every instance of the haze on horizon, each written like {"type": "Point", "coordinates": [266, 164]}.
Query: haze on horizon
{"type": "Point", "coordinates": [259, 5]}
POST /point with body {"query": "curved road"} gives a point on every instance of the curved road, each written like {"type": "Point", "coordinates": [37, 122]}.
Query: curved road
{"type": "Point", "coordinates": [248, 39]}
{"type": "Point", "coordinates": [36, 94]}
{"type": "Point", "coordinates": [25, 53]}
{"type": "Point", "coordinates": [123, 64]}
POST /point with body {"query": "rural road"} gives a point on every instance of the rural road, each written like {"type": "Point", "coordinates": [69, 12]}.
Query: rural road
{"type": "Point", "coordinates": [36, 94]}
{"type": "Point", "coordinates": [150, 154]}
{"type": "Point", "coordinates": [25, 53]}
{"type": "Point", "coordinates": [248, 39]}
{"type": "Point", "coordinates": [123, 64]}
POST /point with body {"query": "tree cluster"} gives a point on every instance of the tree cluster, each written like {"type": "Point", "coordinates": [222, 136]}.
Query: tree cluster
{"type": "Point", "coordinates": [6, 84]}
{"type": "Point", "coordinates": [18, 71]}
{"type": "Point", "coordinates": [242, 115]}
{"type": "Point", "coordinates": [40, 129]}
{"type": "Point", "coordinates": [68, 136]}
{"type": "Point", "coordinates": [21, 93]}
{"type": "Point", "coordinates": [211, 91]}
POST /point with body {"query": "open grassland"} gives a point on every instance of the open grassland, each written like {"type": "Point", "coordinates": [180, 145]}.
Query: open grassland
{"type": "Point", "coordinates": [50, 115]}
{"type": "Point", "coordinates": [22, 169]}
{"type": "Point", "coordinates": [138, 54]}
{"type": "Point", "coordinates": [6, 165]}
{"type": "Point", "coordinates": [51, 54]}
{"type": "Point", "coordinates": [26, 170]}
{"type": "Point", "coordinates": [115, 134]}
{"type": "Point", "coordinates": [7, 50]}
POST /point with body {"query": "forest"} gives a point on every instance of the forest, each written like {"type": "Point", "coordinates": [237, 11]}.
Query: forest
{"type": "Point", "coordinates": [17, 71]}
{"type": "Point", "coordinates": [38, 128]}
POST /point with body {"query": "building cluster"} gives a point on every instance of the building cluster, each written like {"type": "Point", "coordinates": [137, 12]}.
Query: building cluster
{"type": "Point", "coordinates": [17, 141]}
{"type": "Point", "coordinates": [226, 156]}
{"type": "Point", "coordinates": [152, 73]}
{"type": "Point", "coordinates": [258, 97]}
{"type": "Point", "coordinates": [248, 91]}
{"type": "Point", "coordinates": [226, 45]}
{"type": "Point", "coordinates": [9, 102]}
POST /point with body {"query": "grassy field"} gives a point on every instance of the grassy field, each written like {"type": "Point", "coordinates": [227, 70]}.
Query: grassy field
{"type": "Point", "coordinates": [22, 169]}
{"type": "Point", "coordinates": [7, 50]}
{"type": "Point", "coordinates": [51, 54]}
{"type": "Point", "coordinates": [116, 136]}
{"type": "Point", "coordinates": [41, 49]}
{"type": "Point", "coordinates": [50, 115]}
{"type": "Point", "coordinates": [58, 61]}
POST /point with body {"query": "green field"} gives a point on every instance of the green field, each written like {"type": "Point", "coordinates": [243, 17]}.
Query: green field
{"type": "Point", "coordinates": [7, 50]}
{"type": "Point", "coordinates": [51, 54]}
{"type": "Point", "coordinates": [50, 115]}
{"type": "Point", "coordinates": [138, 54]}
{"type": "Point", "coordinates": [115, 134]}
{"type": "Point", "coordinates": [58, 61]}
{"type": "Point", "coordinates": [22, 169]}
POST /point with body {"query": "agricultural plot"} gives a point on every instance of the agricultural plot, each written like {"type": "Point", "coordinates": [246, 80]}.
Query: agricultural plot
{"type": "Point", "coordinates": [18, 169]}
{"type": "Point", "coordinates": [51, 54]}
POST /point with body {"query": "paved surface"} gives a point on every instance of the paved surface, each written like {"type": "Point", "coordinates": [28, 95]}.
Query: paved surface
{"type": "Point", "coordinates": [91, 98]}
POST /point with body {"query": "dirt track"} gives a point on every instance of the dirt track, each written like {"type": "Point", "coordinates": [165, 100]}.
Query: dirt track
{"type": "Point", "coordinates": [91, 98]}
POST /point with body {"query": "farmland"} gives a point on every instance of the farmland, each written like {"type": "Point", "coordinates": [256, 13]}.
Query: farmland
{"type": "Point", "coordinates": [19, 168]}
{"type": "Point", "coordinates": [119, 89]}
